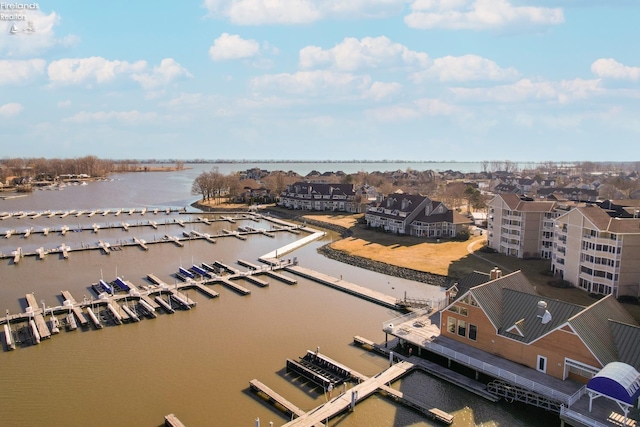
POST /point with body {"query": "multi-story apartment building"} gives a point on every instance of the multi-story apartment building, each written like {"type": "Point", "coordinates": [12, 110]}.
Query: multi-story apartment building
{"type": "Point", "coordinates": [320, 197]}
{"type": "Point", "coordinates": [522, 227]}
{"type": "Point", "coordinates": [598, 251]}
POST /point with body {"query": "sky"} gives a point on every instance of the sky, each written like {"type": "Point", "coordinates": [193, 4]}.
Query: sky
{"type": "Point", "coordinates": [422, 80]}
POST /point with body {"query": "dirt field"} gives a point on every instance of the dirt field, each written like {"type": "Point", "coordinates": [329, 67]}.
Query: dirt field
{"type": "Point", "coordinates": [448, 258]}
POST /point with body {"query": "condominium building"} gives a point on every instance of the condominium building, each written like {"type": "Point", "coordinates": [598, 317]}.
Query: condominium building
{"type": "Point", "coordinates": [522, 227]}
{"type": "Point", "coordinates": [598, 251]}
{"type": "Point", "coordinates": [319, 197]}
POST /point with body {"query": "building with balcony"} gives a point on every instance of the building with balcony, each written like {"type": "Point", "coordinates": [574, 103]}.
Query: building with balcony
{"type": "Point", "coordinates": [522, 227]}
{"type": "Point", "coordinates": [416, 215]}
{"type": "Point", "coordinates": [319, 197]}
{"type": "Point", "coordinates": [597, 251]}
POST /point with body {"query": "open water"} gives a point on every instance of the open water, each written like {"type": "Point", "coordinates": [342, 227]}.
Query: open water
{"type": "Point", "coordinates": [198, 363]}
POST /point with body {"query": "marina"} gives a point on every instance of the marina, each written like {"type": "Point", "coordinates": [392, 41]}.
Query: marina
{"type": "Point", "coordinates": [162, 345]}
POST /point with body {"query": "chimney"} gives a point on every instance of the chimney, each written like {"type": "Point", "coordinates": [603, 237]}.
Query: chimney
{"type": "Point", "coordinates": [496, 273]}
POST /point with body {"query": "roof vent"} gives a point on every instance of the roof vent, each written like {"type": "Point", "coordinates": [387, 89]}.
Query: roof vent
{"type": "Point", "coordinates": [543, 313]}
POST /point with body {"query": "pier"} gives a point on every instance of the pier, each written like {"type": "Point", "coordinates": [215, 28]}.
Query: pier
{"type": "Point", "coordinates": [72, 304]}
{"type": "Point", "coordinates": [141, 243]}
{"type": "Point", "coordinates": [234, 286]}
{"type": "Point", "coordinates": [280, 277]}
{"type": "Point", "coordinates": [348, 287]}
{"type": "Point", "coordinates": [37, 317]}
{"type": "Point", "coordinates": [249, 265]}
{"type": "Point", "coordinates": [289, 408]}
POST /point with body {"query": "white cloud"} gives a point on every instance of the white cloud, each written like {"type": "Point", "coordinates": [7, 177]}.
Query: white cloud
{"type": "Point", "coordinates": [264, 12]}
{"type": "Point", "coordinates": [526, 90]}
{"type": "Point", "coordinates": [126, 117]}
{"type": "Point", "coordinates": [167, 72]}
{"type": "Point", "coordinates": [89, 70]}
{"type": "Point", "coordinates": [231, 46]}
{"type": "Point", "coordinates": [64, 104]}
{"type": "Point", "coordinates": [463, 69]}
{"type": "Point", "coordinates": [320, 82]}
{"type": "Point", "coordinates": [380, 90]}
{"type": "Point", "coordinates": [395, 113]}
{"type": "Point", "coordinates": [479, 15]}
{"type": "Point", "coordinates": [10, 110]}
{"type": "Point", "coordinates": [100, 70]}
{"type": "Point", "coordinates": [421, 107]}
{"type": "Point", "coordinates": [613, 69]}
{"type": "Point", "coordinates": [18, 72]}
{"type": "Point", "coordinates": [29, 43]}
{"type": "Point", "coordinates": [258, 12]}
{"type": "Point", "coordinates": [370, 52]}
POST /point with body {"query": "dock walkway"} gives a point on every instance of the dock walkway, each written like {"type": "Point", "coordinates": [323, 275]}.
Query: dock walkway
{"type": "Point", "coordinates": [353, 396]}
{"type": "Point", "coordinates": [343, 285]}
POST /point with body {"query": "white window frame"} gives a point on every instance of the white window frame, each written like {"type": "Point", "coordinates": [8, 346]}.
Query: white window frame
{"type": "Point", "coordinates": [544, 364]}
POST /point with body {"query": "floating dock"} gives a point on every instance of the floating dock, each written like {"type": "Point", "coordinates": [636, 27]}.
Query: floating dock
{"type": "Point", "coordinates": [255, 280]}
{"type": "Point", "coordinates": [38, 317]}
{"type": "Point", "coordinates": [350, 288]}
{"type": "Point", "coordinates": [234, 286]}
{"type": "Point", "coordinates": [73, 306]}
{"type": "Point", "coordinates": [282, 278]}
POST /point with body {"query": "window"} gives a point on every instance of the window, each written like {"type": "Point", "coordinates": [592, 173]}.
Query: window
{"type": "Point", "coordinates": [451, 324]}
{"type": "Point", "coordinates": [473, 332]}
{"type": "Point", "coordinates": [464, 311]}
{"type": "Point", "coordinates": [462, 328]}
{"type": "Point", "coordinates": [542, 364]}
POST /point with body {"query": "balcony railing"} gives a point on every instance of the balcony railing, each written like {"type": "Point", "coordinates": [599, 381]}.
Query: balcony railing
{"type": "Point", "coordinates": [501, 373]}
{"type": "Point", "coordinates": [581, 419]}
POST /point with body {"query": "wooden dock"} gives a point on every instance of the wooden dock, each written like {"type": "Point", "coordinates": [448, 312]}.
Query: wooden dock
{"type": "Point", "coordinates": [106, 248]}
{"type": "Point", "coordinates": [234, 286]}
{"type": "Point", "coordinates": [172, 421]}
{"type": "Point", "coordinates": [141, 243]}
{"type": "Point", "coordinates": [248, 265]}
{"type": "Point", "coordinates": [203, 289]}
{"type": "Point", "coordinates": [280, 277]}
{"type": "Point", "coordinates": [38, 318]}
{"type": "Point", "coordinates": [353, 396]}
{"type": "Point", "coordinates": [256, 281]}
{"type": "Point", "coordinates": [73, 306]}
{"type": "Point", "coordinates": [276, 399]}
{"type": "Point", "coordinates": [348, 287]}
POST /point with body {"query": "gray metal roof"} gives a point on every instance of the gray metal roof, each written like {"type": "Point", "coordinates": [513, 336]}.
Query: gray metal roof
{"type": "Point", "coordinates": [489, 295]}
{"type": "Point", "coordinates": [627, 341]}
{"type": "Point", "coordinates": [522, 308]}
{"type": "Point", "coordinates": [593, 326]}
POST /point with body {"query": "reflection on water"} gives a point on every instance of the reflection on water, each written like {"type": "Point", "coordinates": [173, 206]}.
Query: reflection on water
{"type": "Point", "coordinates": [198, 363]}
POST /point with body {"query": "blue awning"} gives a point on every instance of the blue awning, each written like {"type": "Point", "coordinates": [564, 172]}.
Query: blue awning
{"type": "Point", "coordinates": [618, 381]}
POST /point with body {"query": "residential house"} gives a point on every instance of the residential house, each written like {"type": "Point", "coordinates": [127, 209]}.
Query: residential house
{"type": "Point", "coordinates": [598, 251]}
{"type": "Point", "coordinates": [319, 197]}
{"type": "Point", "coordinates": [417, 216]}
{"type": "Point", "coordinates": [505, 316]}
{"type": "Point", "coordinates": [571, 193]}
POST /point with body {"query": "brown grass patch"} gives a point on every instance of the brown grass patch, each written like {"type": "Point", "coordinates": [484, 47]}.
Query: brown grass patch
{"type": "Point", "coordinates": [448, 258]}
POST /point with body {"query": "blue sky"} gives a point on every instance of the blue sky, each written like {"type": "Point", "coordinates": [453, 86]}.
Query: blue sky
{"type": "Point", "coordinates": [465, 80]}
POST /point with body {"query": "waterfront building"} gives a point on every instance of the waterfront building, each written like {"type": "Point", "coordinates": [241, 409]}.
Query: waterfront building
{"type": "Point", "coordinates": [416, 215]}
{"type": "Point", "coordinates": [505, 316]}
{"type": "Point", "coordinates": [319, 197]}
{"type": "Point", "coordinates": [522, 227]}
{"type": "Point", "coordinates": [598, 250]}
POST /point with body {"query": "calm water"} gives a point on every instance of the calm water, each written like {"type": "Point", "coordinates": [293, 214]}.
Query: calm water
{"type": "Point", "coordinates": [195, 363]}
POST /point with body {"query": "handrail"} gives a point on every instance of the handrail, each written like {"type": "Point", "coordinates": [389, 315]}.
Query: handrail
{"type": "Point", "coordinates": [568, 413]}
{"type": "Point", "coordinates": [499, 372]}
